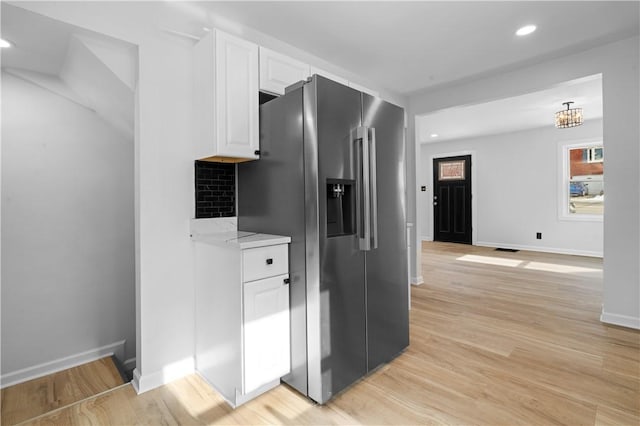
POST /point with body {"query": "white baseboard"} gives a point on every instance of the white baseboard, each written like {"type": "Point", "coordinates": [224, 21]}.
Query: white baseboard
{"type": "Point", "coordinates": [427, 238]}
{"type": "Point", "coordinates": [541, 249]}
{"type": "Point", "coordinates": [417, 280]}
{"type": "Point", "coordinates": [622, 320]}
{"type": "Point", "coordinates": [136, 380]}
{"type": "Point", "coordinates": [171, 372]}
{"type": "Point", "coordinates": [129, 364]}
{"type": "Point", "coordinates": [54, 366]}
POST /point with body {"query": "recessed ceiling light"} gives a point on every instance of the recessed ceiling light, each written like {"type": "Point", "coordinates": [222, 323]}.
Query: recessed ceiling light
{"type": "Point", "coordinates": [527, 29]}
{"type": "Point", "coordinates": [4, 43]}
{"type": "Point", "coordinates": [434, 135]}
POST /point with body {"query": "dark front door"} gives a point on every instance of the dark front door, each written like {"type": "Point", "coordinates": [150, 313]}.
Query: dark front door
{"type": "Point", "coordinates": [452, 199]}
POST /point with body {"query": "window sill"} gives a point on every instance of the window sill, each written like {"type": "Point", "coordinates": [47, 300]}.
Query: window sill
{"type": "Point", "coordinates": [581, 218]}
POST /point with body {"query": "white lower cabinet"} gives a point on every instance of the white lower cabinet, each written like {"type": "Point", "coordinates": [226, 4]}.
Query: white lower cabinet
{"type": "Point", "coordinates": [242, 313]}
{"type": "Point", "coordinates": [266, 331]}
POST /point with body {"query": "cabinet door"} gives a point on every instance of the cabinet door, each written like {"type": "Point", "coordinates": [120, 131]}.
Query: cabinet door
{"type": "Point", "coordinates": [278, 71]}
{"type": "Point", "coordinates": [266, 331]}
{"type": "Point", "coordinates": [364, 89]}
{"type": "Point", "coordinates": [236, 97]}
{"type": "Point", "coordinates": [329, 75]}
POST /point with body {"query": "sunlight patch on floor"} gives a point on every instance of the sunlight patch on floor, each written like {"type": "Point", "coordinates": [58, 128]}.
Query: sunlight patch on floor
{"type": "Point", "coordinates": [536, 266]}
{"type": "Point", "coordinates": [559, 268]}
{"type": "Point", "coordinates": [197, 399]}
{"type": "Point", "coordinates": [488, 260]}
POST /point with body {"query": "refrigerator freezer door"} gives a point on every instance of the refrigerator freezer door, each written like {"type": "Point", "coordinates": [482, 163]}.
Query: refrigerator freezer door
{"type": "Point", "coordinates": [271, 200]}
{"type": "Point", "coordinates": [386, 265]}
{"type": "Point", "coordinates": [335, 266]}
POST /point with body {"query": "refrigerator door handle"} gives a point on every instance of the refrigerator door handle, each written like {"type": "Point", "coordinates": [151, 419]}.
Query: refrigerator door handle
{"type": "Point", "coordinates": [357, 141]}
{"type": "Point", "coordinates": [364, 204]}
{"type": "Point", "coordinates": [373, 188]}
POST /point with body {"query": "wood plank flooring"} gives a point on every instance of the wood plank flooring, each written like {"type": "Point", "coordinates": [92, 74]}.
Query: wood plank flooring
{"type": "Point", "coordinates": [497, 338]}
{"type": "Point", "coordinates": [35, 397]}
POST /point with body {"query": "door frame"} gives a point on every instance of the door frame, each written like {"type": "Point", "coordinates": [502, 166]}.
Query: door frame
{"type": "Point", "coordinates": [474, 192]}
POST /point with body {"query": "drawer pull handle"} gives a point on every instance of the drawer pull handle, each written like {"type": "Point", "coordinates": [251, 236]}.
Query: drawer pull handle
{"type": "Point", "coordinates": [269, 261]}
{"type": "Point", "coordinates": [287, 280]}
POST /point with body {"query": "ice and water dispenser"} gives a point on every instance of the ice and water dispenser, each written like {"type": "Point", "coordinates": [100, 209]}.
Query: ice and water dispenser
{"type": "Point", "coordinates": [341, 207]}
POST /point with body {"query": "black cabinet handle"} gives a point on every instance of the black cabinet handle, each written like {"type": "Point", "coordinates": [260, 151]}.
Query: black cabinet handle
{"type": "Point", "coordinates": [269, 261]}
{"type": "Point", "coordinates": [256, 152]}
{"type": "Point", "coordinates": [287, 280]}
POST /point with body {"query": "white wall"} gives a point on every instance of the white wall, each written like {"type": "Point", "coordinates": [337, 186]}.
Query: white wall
{"type": "Point", "coordinates": [163, 171]}
{"type": "Point", "coordinates": [517, 187]}
{"type": "Point", "coordinates": [618, 63]}
{"type": "Point", "coordinates": [67, 229]}
{"type": "Point", "coordinates": [163, 178]}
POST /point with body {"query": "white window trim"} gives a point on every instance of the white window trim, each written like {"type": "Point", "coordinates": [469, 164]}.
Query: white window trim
{"type": "Point", "coordinates": [563, 181]}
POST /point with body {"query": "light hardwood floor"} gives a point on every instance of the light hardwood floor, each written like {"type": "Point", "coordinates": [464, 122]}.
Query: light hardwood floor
{"type": "Point", "coordinates": [38, 396]}
{"type": "Point", "coordinates": [496, 339]}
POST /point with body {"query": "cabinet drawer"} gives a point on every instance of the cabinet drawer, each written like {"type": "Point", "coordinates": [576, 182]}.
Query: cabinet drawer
{"type": "Point", "coordinates": [264, 262]}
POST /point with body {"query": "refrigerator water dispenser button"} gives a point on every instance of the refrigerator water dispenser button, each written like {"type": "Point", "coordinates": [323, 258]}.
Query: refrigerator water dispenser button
{"type": "Point", "coordinates": [340, 207]}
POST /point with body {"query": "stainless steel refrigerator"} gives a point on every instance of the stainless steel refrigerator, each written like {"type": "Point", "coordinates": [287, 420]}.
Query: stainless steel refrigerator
{"type": "Point", "coordinates": [331, 175]}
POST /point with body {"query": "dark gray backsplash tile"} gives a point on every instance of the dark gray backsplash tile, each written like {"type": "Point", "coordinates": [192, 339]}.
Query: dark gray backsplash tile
{"type": "Point", "coordinates": [215, 189]}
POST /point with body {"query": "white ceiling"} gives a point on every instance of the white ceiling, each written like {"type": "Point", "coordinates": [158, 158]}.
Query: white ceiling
{"type": "Point", "coordinates": [40, 43]}
{"type": "Point", "coordinates": [91, 69]}
{"type": "Point", "coordinates": [403, 47]}
{"type": "Point", "coordinates": [527, 111]}
{"type": "Point", "coordinates": [408, 46]}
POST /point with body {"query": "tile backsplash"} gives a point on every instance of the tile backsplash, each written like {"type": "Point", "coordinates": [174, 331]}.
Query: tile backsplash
{"type": "Point", "coordinates": [215, 189]}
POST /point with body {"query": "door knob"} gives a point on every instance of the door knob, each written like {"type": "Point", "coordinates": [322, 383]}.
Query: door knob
{"type": "Point", "coordinates": [435, 197]}
{"type": "Point", "coordinates": [435, 203]}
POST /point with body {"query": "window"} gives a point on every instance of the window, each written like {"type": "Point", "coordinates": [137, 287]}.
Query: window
{"type": "Point", "coordinates": [594, 154]}
{"type": "Point", "coordinates": [582, 195]}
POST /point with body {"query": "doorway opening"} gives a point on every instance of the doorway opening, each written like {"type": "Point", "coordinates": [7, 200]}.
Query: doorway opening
{"type": "Point", "coordinates": [522, 199]}
{"type": "Point", "coordinates": [68, 214]}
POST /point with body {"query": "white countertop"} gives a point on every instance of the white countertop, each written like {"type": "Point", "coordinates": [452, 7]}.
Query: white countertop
{"type": "Point", "coordinates": [213, 225]}
{"type": "Point", "coordinates": [241, 239]}
{"type": "Point", "coordinates": [224, 232]}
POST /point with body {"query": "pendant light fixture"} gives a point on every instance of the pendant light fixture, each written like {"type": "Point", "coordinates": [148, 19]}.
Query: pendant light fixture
{"type": "Point", "coordinates": [570, 117]}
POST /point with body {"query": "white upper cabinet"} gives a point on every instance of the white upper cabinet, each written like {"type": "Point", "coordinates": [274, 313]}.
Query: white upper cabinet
{"type": "Point", "coordinates": [329, 75]}
{"type": "Point", "coordinates": [278, 71]}
{"type": "Point", "coordinates": [364, 89]}
{"type": "Point", "coordinates": [226, 98]}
